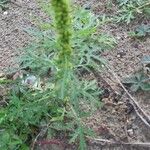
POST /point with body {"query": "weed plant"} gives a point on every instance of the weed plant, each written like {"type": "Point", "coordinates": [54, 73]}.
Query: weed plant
{"type": "Point", "coordinates": [3, 4]}
{"type": "Point", "coordinates": [141, 31]}
{"type": "Point", "coordinates": [129, 9]}
{"type": "Point", "coordinates": [61, 97]}
{"type": "Point", "coordinates": [138, 81]}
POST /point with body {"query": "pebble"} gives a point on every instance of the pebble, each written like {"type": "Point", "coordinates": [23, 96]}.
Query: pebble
{"type": "Point", "coordinates": [2, 75]}
{"type": "Point", "coordinates": [103, 66]}
{"type": "Point", "coordinates": [30, 80]}
{"type": "Point", "coordinates": [130, 132]}
{"type": "Point", "coordinates": [121, 54]}
{"type": "Point", "coordinates": [118, 56]}
{"type": "Point", "coordinates": [118, 37]}
{"type": "Point", "coordinates": [5, 13]}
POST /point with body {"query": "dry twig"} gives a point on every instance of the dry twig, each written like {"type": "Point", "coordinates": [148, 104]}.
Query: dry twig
{"type": "Point", "coordinates": [139, 111]}
{"type": "Point", "coordinates": [108, 142]}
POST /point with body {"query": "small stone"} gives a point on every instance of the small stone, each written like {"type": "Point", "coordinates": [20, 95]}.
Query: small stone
{"type": "Point", "coordinates": [118, 37]}
{"type": "Point", "coordinates": [121, 54]}
{"type": "Point", "coordinates": [30, 80]}
{"type": "Point", "coordinates": [103, 66]}
{"type": "Point", "coordinates": [5, 13]}
{"type": "Point", "coordinates": [118, 56]}
{"type": "Point", "coordinates": [2, 75]}
{"type": "Point", "coordinates": [130, 132]}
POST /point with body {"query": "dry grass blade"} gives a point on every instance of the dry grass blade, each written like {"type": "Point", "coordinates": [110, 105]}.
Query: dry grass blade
{"type": "Point", "coordinates": [108, 142]}
{"type": "Point", "coordinates": [139, 111]}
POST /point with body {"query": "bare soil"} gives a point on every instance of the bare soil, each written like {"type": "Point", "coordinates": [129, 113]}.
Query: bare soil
{"type": "Point", "coordinates": [116, 120]}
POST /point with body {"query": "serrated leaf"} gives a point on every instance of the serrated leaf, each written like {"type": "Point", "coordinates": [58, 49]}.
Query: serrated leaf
{"type": "Point", "coordinates": [82, 144]}
{"type": "Point", "coordinates": [145, 86]}
{"type": "Point", "coordinates": [74, 135]}
{"type": "Point", "coordinates": [143, 30]}
{"type": "Point", "coordinates": [89, 132]}
{"type": "Point", "coordinates": [135, 87]}
{"type": "Point", "coordinates": [147, 11]}
{"type": "Point", "coordinates": [130, 80]}
{"type": "Point", "coordinates": [5, 81]}
{"type": "Point", "coordinates": [146, 59]}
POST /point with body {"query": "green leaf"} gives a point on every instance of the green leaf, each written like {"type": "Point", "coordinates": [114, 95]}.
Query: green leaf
{"type": "Point", "coordinates": [146, 59]}
{"type": "Point", "coordinates": [145, 86]}
{"type": "Point", "coordinates": [130, 80]}
{"type": "Point", "coordinates": [5, 81]}
{"type": "Point", "coordinates": [74, 135]}
{"type": "Point", "coordinates": [135, 87]}
{"type": "Point", "coordinates": [82, 144]}
{"type": "Point", "coordinates": [3, 115]}
{"type": "Point", "coordinates": [61, 116]}
{"type": "Point", "coordinates": [147, 11]}
{"type": "Point", "coordinates": [143, 30]}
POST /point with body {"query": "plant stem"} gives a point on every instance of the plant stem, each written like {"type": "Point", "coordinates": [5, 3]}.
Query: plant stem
{"type": "Point", "coordinates": [63, 61]}
{"type": "Point", "coordinates": [63, 26]}
{"type": "Point", "coordinates": [144, 5]}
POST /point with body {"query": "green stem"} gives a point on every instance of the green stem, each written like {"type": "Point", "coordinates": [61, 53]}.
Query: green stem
{"type": "Point", "coordinates": [63, 27]}
{"type": "Point", "coordinates": [64, 32]}
{"type": "Point", "coordinates": [144, 5]}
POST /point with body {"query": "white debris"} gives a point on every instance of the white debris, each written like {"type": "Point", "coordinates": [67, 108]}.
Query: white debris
{"type": "Point", "coordinates": [130, 132]}
{"type": "Point", "coordinates": [30, 80]}
{"type": "Point", "coordinates": [5, 13]}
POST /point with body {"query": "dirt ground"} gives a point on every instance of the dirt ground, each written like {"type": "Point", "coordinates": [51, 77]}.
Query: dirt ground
{"type": "Point", "coordinates": [116, 120]}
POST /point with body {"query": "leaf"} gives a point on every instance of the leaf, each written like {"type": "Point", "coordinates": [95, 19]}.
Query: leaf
{"type": "Point", "coordinates": [138, 81]}
{"type": "Point", "coordinates": [89, 132]}
{"type": "Point", "coordinates": [85, 114]}
{"type": "Point", "coordinates": [85, 32]}
{"type": "Point", "coordinates": [129, 17]}
{"type": "Point", "coordinates": [143, 30]}
{"type": "Point", "coordinates": [82, 144]}
{"type": "Point", "coordinates": [2, 115]}
{"type": "Point", "coordinates": [6, 136]}
{"type": "Point", "coordinates": [3, 4]}
{"type": "Point", "coordinates": [34, 32]}
{"type": "Point", "coordinates": [147, 11]}
{"type": "Point", "coordinates": [145, 86]}
{"type": "Point", "coordinates": [135, 87]}
{"type": "Point", "coordinates": [100, 59]}
{"type": "Point", "coordinates": [146, 59]}
{"type": "Point", "coordinates": [59, 117]}
{"type": "Point", "coordinates": [74, 135]}
{"type": "Point", "coordinates": [4, 80]}
{"type": "Point", "coordinates": [45, 26]}
{"type": "Point", "coordinates": [130, 80]}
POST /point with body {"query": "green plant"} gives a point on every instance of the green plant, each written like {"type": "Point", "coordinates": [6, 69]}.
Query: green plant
{"type": "Point", "coordinates": [3, 4]}
{"type": "Point", "coordinates": [129, 9]}
{"type": "Point", "coordinates": [3, 80]}
{"type": "Point", "coordinates": [141, 31]}
{"type": "Point", "coordinates": [86, 42]}
{"type": "Point", "coordinates": [61, 97]}
{"type": "Point", "coordinates": [138, 81]}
